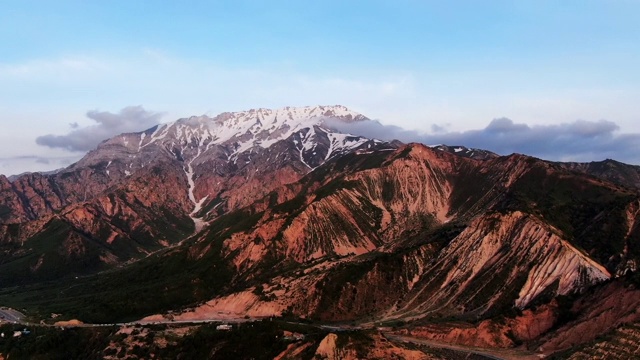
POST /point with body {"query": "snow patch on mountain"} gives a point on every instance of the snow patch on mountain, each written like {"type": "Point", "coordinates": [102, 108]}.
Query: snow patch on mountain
{"type": "Point", "coordinates": [199, 142]}
{"type": "Point", "coordinates": [340, 142]}
{"type": "Point", "coordinates": [248, 129]}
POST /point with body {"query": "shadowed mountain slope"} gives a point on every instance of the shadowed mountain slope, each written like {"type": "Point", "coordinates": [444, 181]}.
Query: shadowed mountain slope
{"type": "Point", "coordinates": [272, 212]}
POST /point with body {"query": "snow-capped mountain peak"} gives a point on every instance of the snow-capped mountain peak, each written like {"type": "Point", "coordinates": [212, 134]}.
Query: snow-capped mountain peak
{"type": "Point", "coordinates": [247, 129]}
{"type": "Point", "coordinates": [232, 135]}
{"type": "Point", "coordinates": [292, 114]}
{"type": "Point", "coordinates": [248, 142]}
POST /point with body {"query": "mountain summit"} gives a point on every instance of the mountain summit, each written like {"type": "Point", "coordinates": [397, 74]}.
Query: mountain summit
{"type": "Point", "coordinates": [247, 143]}
{"type": "Point", "coordinates": [247, 129]}
{"type": "Point", "coordinates": [236, 133]}
{"type": "Point", "coordinates": [231, 157]}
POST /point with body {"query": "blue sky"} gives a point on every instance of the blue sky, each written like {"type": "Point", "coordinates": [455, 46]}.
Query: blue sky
{"type": "Point", "coordinates": [429, 67]}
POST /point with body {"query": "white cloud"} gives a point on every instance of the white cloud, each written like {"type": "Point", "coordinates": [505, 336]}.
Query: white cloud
{"type": "Point", "coordinates": [57, 91]}
{"type": "Point", "coordinates": [580, 140]}
{"type": "Point", "coordinates": [129, 119]}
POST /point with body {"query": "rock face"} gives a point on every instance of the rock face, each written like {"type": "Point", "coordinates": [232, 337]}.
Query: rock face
{"type": "Point", "coordinates": [507, 333]}
{"type": "Point", "coordinates": [420, 234]}
{"type": "Point", "coordinates": [266, 212]}
{"type": "Point", "coordinates": [342, 346]}
{"type": "Point", "coordinates": [391, 240]}
{"type": "Point", "coordinates": [608, 307]}
{"type": "Point", "coordinates": [135, 193]}
{"type": "Point", "coordinates": [496, 252]}
{"type": "Point", "coordinates": [212, 153]}
{"type": "Point", "coordinates": [135, 219]}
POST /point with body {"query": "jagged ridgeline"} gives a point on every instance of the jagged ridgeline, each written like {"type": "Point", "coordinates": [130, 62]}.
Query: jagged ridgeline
{"type": "Point", "coordinates": [277, 212]}
{"type": "Point", "coordinates": [141, 192]}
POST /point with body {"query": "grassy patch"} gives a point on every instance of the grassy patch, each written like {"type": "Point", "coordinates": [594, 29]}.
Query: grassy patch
{"type": "Point", "coordinates": [161, 282]}
{"type": "Point", "coordinates": [52, 343]}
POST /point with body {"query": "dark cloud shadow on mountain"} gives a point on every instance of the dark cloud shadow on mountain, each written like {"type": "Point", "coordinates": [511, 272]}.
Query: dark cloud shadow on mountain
{"type": "Point", "coordinates": [129, 119]}
{"type": "Point", "coordinates": [580, 140]}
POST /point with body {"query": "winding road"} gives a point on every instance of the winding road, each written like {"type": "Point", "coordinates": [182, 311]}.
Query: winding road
{"type": "Point", "coordinates": [496, 354]}
{"type": "Point", "coordinates": [14, 316]}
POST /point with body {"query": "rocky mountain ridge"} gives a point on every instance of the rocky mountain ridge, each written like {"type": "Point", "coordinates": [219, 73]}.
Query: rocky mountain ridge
{"type": "Point", "coordinates": [464, 151]}
{"type": "Point", "coordinates": [223, 144]}
{"type": "Point", "coordinates": [130, 196]}
{"type": "Point", "coordinates": [272, 212]}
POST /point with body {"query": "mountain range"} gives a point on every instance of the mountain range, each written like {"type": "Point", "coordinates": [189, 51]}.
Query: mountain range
{"type": "Point", "coordinates": [267, 213]}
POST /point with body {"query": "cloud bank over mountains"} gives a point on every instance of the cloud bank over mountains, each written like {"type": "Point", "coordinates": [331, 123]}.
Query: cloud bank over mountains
{"type": "Point", "coordinates": [129, 119]}
{"type": "Point", "coordinates": [580, 140]}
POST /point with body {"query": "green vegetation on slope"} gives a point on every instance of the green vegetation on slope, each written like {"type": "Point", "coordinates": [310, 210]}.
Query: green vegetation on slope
{"type": "Point", "coordinates": [255, 340]}
{"type": "Point", "coordinates": [590, 215]}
